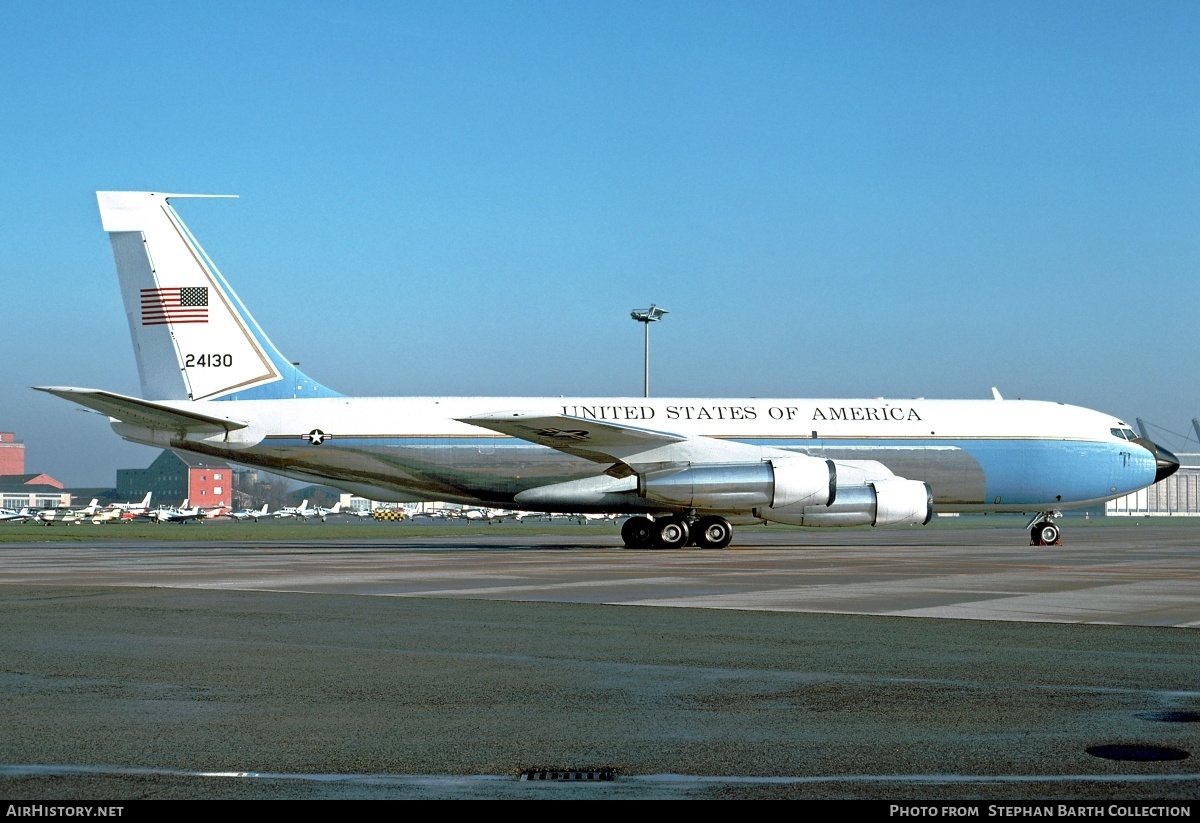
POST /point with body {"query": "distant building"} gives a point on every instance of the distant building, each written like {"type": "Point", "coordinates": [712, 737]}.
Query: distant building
{"type": "Point", "coordinates": [18, 495]}
{"type": "Point", "coordinates": [176, 476]}
{"type": "Point", "coordinates": [30, 480]}
{"type": "Point", "coordinates": [19, 490]}
{"type": "Point", "coordinates": [12, 454]}
{"type": "Point", "coordinates": [1175, 496]}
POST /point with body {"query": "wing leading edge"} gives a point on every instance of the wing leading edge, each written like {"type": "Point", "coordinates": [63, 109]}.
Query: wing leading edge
{"type": "Point", "coordinates": [628, 448]}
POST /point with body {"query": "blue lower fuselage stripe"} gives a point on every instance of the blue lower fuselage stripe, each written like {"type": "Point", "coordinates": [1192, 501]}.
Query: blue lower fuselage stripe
{"type": "Point", "coordinates": [1001, 471]}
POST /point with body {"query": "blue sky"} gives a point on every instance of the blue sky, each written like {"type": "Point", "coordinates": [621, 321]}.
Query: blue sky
{"type": "Point", "coordinates": [832, 199]}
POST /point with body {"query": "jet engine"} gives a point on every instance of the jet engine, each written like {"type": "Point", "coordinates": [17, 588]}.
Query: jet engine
{"type": "Point", "coordinates": [781, 482]}
{"type": "Point", "coordinates": [891, 502]}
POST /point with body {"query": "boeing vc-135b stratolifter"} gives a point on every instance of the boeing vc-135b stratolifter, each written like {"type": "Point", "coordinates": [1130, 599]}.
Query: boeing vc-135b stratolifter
{"type": "Point", "coordinates": [685, 469]}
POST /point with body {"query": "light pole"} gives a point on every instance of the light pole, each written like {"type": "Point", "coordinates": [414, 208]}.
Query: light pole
{"type": "Point", "coordinates": [646, 317]}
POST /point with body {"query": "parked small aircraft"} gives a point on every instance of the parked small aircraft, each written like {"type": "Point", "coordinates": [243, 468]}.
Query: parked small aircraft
{"type": "Point", "coordinates": [67, 515]}
{"type": "Point", "coordinates": [301, 511]}
{"type": "Point", "coordinates": [15, 515]}
{"type": "Point", "coordinates": [169, 514]}
{"type": "Point", "coordinates": [134, 508]}
{"type": "Point", "coordinates": [323, 513]}
{"type": "Point", "coordinates": [249, 514]}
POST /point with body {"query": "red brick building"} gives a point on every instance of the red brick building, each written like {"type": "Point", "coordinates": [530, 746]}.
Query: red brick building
{"type": "Point", "coordinates": [175, 476]}
{"type": "Point", "coordinates": [12, 454]}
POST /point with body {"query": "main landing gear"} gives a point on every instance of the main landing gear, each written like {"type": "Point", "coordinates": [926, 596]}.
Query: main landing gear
{"type": "Point", "coordinates": [675, 532]}
{"type": "Point", "coordinates": [1043, 532]}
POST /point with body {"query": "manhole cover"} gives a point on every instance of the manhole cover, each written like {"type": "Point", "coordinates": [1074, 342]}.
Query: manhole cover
{"type": "Point", "coordinates": [1170, 717]}
{"type": "Point", "coordinates": [570, 775]}
{"type": "Point", "coordinates": [1136, 751]}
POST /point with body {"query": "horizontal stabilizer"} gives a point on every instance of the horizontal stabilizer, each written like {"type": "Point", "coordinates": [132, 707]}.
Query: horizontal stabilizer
{"type": "Point", "coordinates": [144, 413]}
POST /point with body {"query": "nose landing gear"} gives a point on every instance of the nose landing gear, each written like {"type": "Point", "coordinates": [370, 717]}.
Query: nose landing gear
{"type": "Point", "coordinates": [1043, 532]}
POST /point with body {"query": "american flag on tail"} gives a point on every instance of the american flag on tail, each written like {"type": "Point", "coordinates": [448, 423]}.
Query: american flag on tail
{"type": "Point", "coordinates": [177, 304]}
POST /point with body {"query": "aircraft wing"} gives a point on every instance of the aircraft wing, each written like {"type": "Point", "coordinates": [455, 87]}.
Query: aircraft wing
{"type": "Point", "coordinates": [144, 413]}
{"type": "Point", "coordinates": [603, 441]}
{"type": "Point", "coordinates": [596, 440]}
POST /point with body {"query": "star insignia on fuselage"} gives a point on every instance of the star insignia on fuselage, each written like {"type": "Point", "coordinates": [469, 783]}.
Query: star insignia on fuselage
{"type": "Point", "coordinates": [316, 437]}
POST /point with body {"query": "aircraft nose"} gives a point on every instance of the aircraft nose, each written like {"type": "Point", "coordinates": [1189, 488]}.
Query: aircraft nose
{"type": "Point", "coordinates": [1166, 464]}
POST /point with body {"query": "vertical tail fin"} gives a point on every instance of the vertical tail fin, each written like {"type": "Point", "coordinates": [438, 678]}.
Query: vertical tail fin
{"type": "Point", "coordinates": [192, 337]}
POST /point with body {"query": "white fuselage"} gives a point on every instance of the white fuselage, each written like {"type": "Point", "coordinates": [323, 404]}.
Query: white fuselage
{"type": "Point", "coordinates": [991, 455]}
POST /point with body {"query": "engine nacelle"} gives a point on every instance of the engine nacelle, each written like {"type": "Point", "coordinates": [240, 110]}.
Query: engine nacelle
{"type": "Point", "coordinates": [892, 502]}
{"type": "Point", "coordinates": [788, 481]}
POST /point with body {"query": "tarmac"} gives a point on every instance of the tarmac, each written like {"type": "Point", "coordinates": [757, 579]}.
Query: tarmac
{"type": "Point", "coordinates": [906, 666]}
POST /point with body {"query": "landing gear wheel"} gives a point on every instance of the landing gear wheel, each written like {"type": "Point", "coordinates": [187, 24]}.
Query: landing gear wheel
{"type": "Point", "coordinates": [639, 533]}
{"type": "Point", "coordinates": [1045, 534]}
{"type": "Point", "coordinates": [712, 533]}
{"type": "Point", "coordinates": [672, 533]}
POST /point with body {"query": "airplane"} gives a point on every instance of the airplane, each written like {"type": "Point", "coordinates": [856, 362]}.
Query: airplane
{"type": "Point", "coordinates": [15, 516]}
{"type": "Point", "coordinates": [471, 514]}
{"type": "Point", "coordinates": [586, 517]}
{"type": "Point", "coordinates": [305, 511]}
{"type": "Point", "coordinates": [122, 511]}
{"type": "Point", "coordinates": [185, 514]}
{"type": "Point", "coordinates": [248, 514]}
{"type": "Point", "coordinates": [160, 515]}
{"type": "Point", "coordinates": [684, 470]}
{"type": "Point", "coordinates": [169, 514]}
{"type": "Point", "coordinates": [302, 511]}
{"type": "Point", "coordinates": [500, 515]}
{"type": "Point", "coordinates": [107, 516]}
{"type": "Point", "coordinates": [322, 512]}
{"type": "Point", "coordinates": [67, 515]}
{"type": "Point", "coordinates": [133, 508]}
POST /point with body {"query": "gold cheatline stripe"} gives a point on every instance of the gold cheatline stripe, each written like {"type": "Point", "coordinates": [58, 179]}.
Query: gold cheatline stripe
{"type": "Point", "coordinates": [237, 319]}
{"type": "Point", "coordinates": [710, 436]}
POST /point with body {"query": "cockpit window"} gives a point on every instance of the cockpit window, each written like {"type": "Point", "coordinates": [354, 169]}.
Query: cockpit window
{"type": "Point", "coordinates": [1117, 433]}
{"type": "Point", "coordinates": [1124, 434]}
